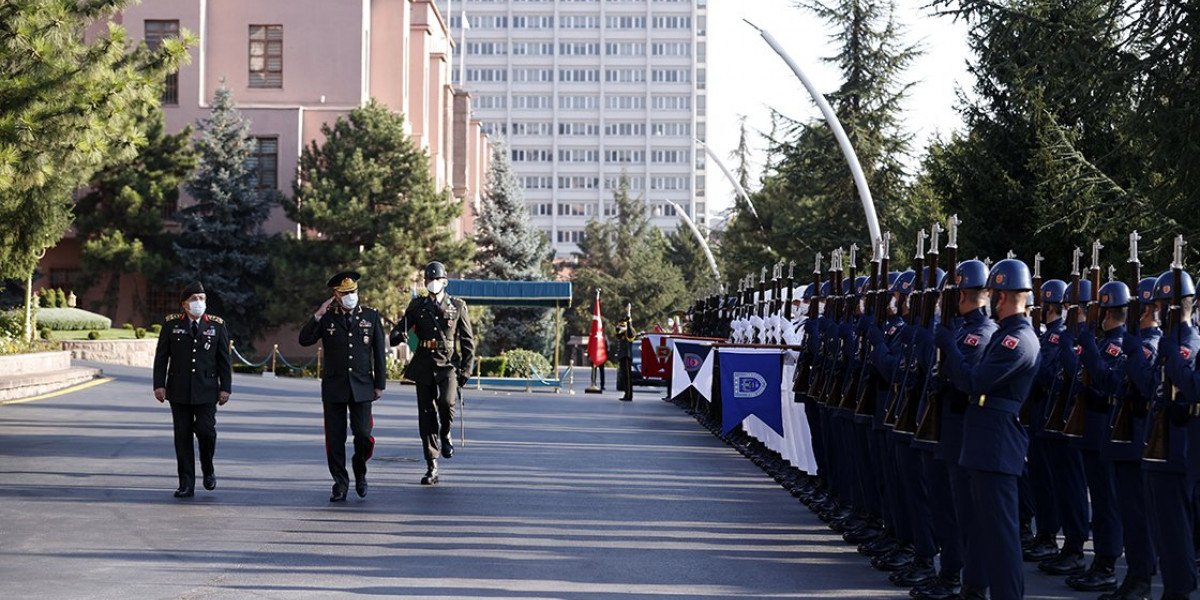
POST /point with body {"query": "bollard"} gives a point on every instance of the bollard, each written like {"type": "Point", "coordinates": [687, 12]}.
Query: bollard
{"type": "Point", "coordinates": [571, 377]}
{"type": "Point", "coordinates": [274, 352]}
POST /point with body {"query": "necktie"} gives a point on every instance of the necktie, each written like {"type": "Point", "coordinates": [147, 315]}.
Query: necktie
{"type": "Point", "coordinates": [195, 330]}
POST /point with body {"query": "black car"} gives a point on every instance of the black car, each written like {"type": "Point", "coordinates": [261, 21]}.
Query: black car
{"type": "Point", "coordinates": [638, 379]}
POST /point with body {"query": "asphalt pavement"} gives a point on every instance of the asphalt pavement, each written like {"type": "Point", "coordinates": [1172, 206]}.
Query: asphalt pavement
{"type": "Point", "coordinates": [551, 496]}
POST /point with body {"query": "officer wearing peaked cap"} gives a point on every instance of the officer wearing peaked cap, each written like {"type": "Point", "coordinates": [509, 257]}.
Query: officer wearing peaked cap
{"type": "Point", "coordinates": [994, 443]}
{"type": "Point", "coordinates": [355, 375]}
{"type": "Point", "coordinates": [442, 364]}
{"type": "Point", "coordinates": [192, 371]}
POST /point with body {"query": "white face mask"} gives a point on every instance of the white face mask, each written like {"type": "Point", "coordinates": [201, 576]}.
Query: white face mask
{"type": "Point", "coordinates": [196, 308]}
{"type": "Point", "coordinates": [435, 286]}
{"type": "Point", "coordinates": [349, 301]}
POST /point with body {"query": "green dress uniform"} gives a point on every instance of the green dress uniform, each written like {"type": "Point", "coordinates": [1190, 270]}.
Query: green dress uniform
{"type": "Point", "coordinates": [191, 362]}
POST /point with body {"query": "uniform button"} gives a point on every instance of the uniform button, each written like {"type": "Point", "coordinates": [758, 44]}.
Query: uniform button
{"type": "Point", "coordinates": [351, 356]}
{"type": "Point", "coordinates": [193, 360]}
{"type": "Point", "coordinates": [349, 368]}
{"type": "Point", "coordinates": [193, 370]}
{"type": "Point", "coordinates": [351, 345]}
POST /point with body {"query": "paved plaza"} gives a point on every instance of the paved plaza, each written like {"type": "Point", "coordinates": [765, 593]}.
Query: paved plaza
{"type": "Point", "coordinates": [552, 496]}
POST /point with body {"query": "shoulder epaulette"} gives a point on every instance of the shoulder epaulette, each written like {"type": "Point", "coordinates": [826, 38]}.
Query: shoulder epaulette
{"type": "Point", "coordinates": [216, 319]}
{"type": "Point", "coordinates": [174, 317]}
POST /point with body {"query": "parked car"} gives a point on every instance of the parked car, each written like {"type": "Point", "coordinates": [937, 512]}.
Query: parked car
{"type": "Point", "coordinates": [638, 379]}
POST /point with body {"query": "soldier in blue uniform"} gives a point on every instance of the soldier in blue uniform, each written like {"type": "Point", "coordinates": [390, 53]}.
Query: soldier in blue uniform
{"type": "Point", "coordinates": [994, 443]}
{"type": "Point", "coordinates": [1171, 481]}
{"type": "Point", "coordinates": [192, 371]}
{"type": "Point", "coordinates": [948, 485]}
{"type": "Point", "coordinates": [354, 376]}
{"type": "Point", "coordinates": [1103, 360]}
{"type": "Point", "coordinates": [1041, 475]}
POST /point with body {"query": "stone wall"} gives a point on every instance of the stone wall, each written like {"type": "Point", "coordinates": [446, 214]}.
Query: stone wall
{"type": "Point", "coordinates": [134, 353]}
{"type": "Point", "coordinates": [36, 362]}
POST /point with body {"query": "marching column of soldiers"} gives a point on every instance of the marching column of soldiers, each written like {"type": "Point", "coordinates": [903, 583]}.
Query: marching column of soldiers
{"type": "Point", "coordinates": [965, 423]}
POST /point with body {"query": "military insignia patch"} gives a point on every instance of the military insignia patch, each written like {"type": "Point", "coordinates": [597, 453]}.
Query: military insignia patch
{"type": "Point", "coordinates": [1113, 350]}
{"type": "Point", "coordinates": [366, 339]}
{"type": "Point", "coordinates": [1053, 339]}
{"type": "Point", "coordinates": [1147, 352]}
{"type": "Point", "coordinates": [1010, 342]}
{"type": "Point", "coordinates": [891, 330]}
{"type": "Point", "coordinates": [1078, 350]}
{"type": "Point", "coordinates": [1185, 353]}
{"type": "Point", "coordinates": [971, 340]}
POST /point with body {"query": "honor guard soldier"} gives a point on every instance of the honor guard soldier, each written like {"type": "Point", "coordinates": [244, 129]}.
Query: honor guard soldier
{"type": "Point", "coordinates": [442, 363]}
{"type": "Point", "coordinates": [354, 376]}
{"type": "Point", "coordinates": [192, 371]}
{"type": "Point", "coordinates": [1043, 445]}
{"type": "Point", "coordinates": [994, 443]}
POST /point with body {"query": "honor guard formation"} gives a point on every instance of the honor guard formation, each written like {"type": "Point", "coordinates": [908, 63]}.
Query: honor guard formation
{"type": "Point", "coordinates": [965, 423]}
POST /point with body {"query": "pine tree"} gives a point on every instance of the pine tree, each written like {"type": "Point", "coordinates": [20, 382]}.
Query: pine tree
{"type": "Point", "coordinates": [508, 247]}
{"type": "Point", "coordinates": [69, 103]}
{"type": "Point", "coordinates": [221, 241]}
{"type": "Point", "coordinates": [684, 251]}
{"type": "Point", "coordinates": [368, 191]}
{"type": "Point", "coordinates": [121, 217]}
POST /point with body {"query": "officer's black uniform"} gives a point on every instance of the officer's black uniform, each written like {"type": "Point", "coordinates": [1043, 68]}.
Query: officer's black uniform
{"type": "Point", "coordinates": [191, 362]}
{"type": "Point", "coordinates": [443, 360]}
{"type": "Point", "coordinates": [355, 366]}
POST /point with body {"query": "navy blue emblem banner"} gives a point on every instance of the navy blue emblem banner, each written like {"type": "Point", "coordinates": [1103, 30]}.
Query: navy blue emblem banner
{"type": "Point", "coordinates": [692, 356]}
{"type": "Point", "coordinates": [751, 384]}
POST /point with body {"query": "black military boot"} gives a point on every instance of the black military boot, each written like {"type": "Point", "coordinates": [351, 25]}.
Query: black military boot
{"type": "Point", "coordinates": [338, 494]}
{"type": "Point", "coordinates": [920, 572]}
{"type": "Point", "coordinates": [431, 473]}
{"type": "Point", "coordinates": [1042, 549]}
{"type": "Point", "coordinates": [879, 546]}
{"type": "Point", "coordinates": [1100, 577]}
{"type": "Point", "coordinates": [945, 587]}
{"type": "Point", "coordinates": [848, 523]}
{"type": "Point", "coordinates": [1027, 537]}
{"type": "Point", "coordinates": [866, 533]}
{"type": "Point", "coordinates": [895, 560]}
{"type": "Point", "coordinates": [972, 593]}
{"type": "Point", "coordinates": [1068, 561]}
{"type": "Point", "coordinates": [1133, 588]}
{"type": "Point", "coordinates": [447, 447]}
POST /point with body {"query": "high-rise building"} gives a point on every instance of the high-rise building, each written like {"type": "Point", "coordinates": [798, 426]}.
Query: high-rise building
{"type": "Point", "coordinates": [585, 92]}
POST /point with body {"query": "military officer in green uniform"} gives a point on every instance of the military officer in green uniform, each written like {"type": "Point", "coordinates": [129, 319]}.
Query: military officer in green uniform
{"type": "Point", "coordinates": [192, 371]}
{"type": "Point", "coordinates": [355, 375]}
{"type": "Point", "coordinates": [442, 362]}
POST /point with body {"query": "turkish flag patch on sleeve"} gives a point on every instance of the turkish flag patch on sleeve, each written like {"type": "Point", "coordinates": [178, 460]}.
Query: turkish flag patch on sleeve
{"type": "Point", "coordinates": [1010, 342]}
{"type": "Point", "coordinates": [1147, 352]}
{"type": "Point", "coordinates": [1113, 350]}
{"type": "Point", "coordinates": [971, 340]}
{"type": "Point", "coordinates": [1185, 352]}
{"type": "Point", "coordinates": [1053, 339]}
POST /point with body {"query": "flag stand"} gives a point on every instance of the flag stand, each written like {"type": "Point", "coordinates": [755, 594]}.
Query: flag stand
{"type": "Point", "coordinates": [593, 388]}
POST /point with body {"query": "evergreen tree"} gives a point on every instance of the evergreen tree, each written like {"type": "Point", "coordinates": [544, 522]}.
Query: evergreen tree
{"type": "Point", "coordinates": [627, 260]}
{"type": "Point", "coordinates": [221, 241]}
{"type": "Point", "coordinates": [68, 105]}
{"type": "Point", "coordinates": [685, 252]}
{"type": "Point", "coordinates": [508, 247]}
{"type": "Point", "coordinates": [369, 193]}
{"type": "Point", "coordinates": [121, 217]}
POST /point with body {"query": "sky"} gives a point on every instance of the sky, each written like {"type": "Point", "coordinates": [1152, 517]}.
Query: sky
{"type": "Point", "coordinates": [746, 77]}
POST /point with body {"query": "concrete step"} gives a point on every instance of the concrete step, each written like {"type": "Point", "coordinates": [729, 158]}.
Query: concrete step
{"type": "Point", "coordinates": [26, 385]}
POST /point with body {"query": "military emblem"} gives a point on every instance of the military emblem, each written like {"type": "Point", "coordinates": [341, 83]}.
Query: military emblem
{"type": "Point", "coordinates": [1113, 350]}
{"type": "Point", "coordinates": [1010, 342]}
{"type": "Point", "coordinates": [1185, 353]}
{"type": "Point", "coordinates": [971, 340]}
{"type": "Point", "coordinates": [748, 384]}
{"type": "Point", "coordinates": [1053, 339]}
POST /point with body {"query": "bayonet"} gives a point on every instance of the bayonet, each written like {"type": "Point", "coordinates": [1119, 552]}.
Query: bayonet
{"type": "Point", "coordinates": [936, 232]}
{"type": "Point", "coordinates": [1133, 247]}
{"type": "Point", "coordinates": [791, 269]}
{"type": "Point", "coordinates": [1037, 265]}
{"type": "Point", "coordinates": [1076, 256]}
{"type": "Point", "coordinates": [952, 232]}
{"type": "Point", "coordinates": [1096, 247]}
{"type": "Point", "coordinates": [921, 235]}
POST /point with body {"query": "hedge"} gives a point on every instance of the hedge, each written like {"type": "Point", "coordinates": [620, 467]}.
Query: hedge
{"type": "Point", "coordinates": [522, 363]}
{"type": "Point", "coordinates": [72, 319]}
{"type": "Point", "coordinates": [492, 366]}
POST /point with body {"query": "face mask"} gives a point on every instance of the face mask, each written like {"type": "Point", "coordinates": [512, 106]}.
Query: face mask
{"type": "Point", "coordinates": [994, 306]}
{"type": "Point", "coordinates": [435, 286]}
{"type": "Point", "coordinates": [196, 308]}
{"type": "Point", "coordinates": [349, 301]}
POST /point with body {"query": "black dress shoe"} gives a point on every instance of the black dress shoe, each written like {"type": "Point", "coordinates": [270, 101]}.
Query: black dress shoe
{"type": "Point", "coordinates": [945, 587]}
{"type": "Point", "coordinates": [972, 593]}
{"type": "Point", "coordinates": [447, 448]}
{"type": "Point", "coordinates": [849, 523]}
{"type": "Point", "coordinates": [185, 492]}
{"type": "Point", "coordinates": [338, 495]}
{"type": "Point", "coordinates": [879, 546]}
{"type": "Point", "coordinates": [360, 486]}
{"type": "Point", "coordinates": [895, 560]}
{"type": "Point", "coordinates": [1066, 562]}
{"type": "Point", "coordinates": [1027, 537]}
{"type": "Point", "coordinates": [431, 474]}
{"type": "Point", "coordinates": [1041, 550]}
{"type": "Point", "coordinates": [861, 535]}
{"type": "Point", "coordinates": [1101, 577]}
{"type": "Point", "coordinates": [920, 572]}
{"type": "Point", "coordinates": [1133, 588]}
{"type": "Point", "coordinates": [210, 482]}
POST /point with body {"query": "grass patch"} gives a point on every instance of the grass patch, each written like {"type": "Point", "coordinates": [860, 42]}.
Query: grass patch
{"type": "Point", "coordinates": [105, 334]}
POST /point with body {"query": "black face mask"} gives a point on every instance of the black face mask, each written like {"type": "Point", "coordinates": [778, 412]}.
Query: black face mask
{"type": "Point", "coordinates": [994, 305]}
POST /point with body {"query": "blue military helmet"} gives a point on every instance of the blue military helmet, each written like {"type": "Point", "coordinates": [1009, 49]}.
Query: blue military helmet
{"type": "Point", "coordinates": [808, 292]}
{"type": "Point", "coordinates": [903, 283]}
{"type": "Point", "coordinates": [1085, 290]}
{"type": "Point", "coordinates": [892, 275]}
{"type": "Point", "coordinates": [1008, 275]}
{"type": "Point", "coordinates": [825, 288]}
{"type": "Point", "coordinates": [1163, 287]}
{"type": "Point", "coordinates": [860, 284]}
{"type": "Point", "coordinates": [846, 287]}
{"type": "Point", "coordinates": [1114, 294]}
{"type": "Point", "coordinates": [971, 274]}
{"type": "Point", "coordinates": [925, 276]}
{"type": "Point", "coordinates": [1145, 290]}
{"type": "Point", "coordinates": [1054, 291]}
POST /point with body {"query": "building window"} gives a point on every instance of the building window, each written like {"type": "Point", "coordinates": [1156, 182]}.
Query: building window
{"type": "Point", "coordinates": [156, 32]}
{"type": "Point", "coordinates": [570, 236]}
{"type": "Point", "coordinates": [625, 48]}
{"type": "Point", "coordinates": [266, 162]}
{"type": "Point", "coordinates": [266, 56]}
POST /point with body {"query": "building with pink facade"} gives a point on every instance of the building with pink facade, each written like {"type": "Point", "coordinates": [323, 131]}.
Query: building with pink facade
{"type": "Point", "coordinates": [293, 66]}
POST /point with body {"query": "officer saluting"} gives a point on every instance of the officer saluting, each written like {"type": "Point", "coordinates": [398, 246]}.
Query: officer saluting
{"type": "Point", "coordinates": [355, 375]}
{"type": "Point", "coordinates": [994, 443]}
{"type": "Point", "coordinates": [192, 371]}
{"type": "Point", "coordinates": [445, 353]}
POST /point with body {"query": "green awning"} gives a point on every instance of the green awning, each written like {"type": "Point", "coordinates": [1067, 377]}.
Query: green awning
{"type": "Point", "coordinates": [550, 294]}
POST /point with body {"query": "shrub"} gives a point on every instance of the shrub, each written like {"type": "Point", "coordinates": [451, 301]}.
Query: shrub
{"type": "Point", "coordinates": [12, 323]}
{"type": "Point", "coordinates": [46, 298]}
{"type": "Point", "coordinates": [523, 363]}
{"type": "Point", "coordinates": [139, 333]}
{"type": "Point", "coordinates": [60, 297]}
{"type": "Point", "coordinates": [93, 335]}
{"type": "Point", "coordinates": [395, 369]}
{"type": "Point", "coordinates": [492, 366]}
{"type": "Point", "coordinates": [127, 327]}
{"type": "Point", "coordinates": [46, 333]}
{"type": "Point", "coordinates": [156, 328]}
{"type": "Point", "coordinates": [239, 368]}
{"type": "Point", "coordinates": [72, 319]}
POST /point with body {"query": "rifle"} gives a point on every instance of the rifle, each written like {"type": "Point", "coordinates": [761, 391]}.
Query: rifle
{"type": "Point", "coordinates": [1057, 418]}
{"type": "Point", "coordinates": [1077, 421]}
{"type": "Point", "coordinates": [1035, 315]}
{"type": "Point", "coordinates": [1159, 440]}
{"type": "Point", "coordinates": [851, 398]}
{"type": "Point", "coordinates": [867, 387]}
{"type": "Point", "coordinates": [791, 283]}
{"type": "Point", "coordinates": [837, 395]}
{"type": "Point", "coordinates": [804, 366]}
{"type": "Point", "coordinates": [817, 387]}
{"type": "Point", "coordinates": [897, 387]}
{"type": "Point", "coordinates": [829, 366]}
{"type": "Point", "coordinates": [929, 427]}
{"type": "Point", "coordinates": [906, 420]}
{"type": "Point", "coordinates": [1122, 431]}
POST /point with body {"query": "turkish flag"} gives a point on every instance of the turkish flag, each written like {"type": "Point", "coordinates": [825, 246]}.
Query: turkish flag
{"type": "Point", "coordinates": [597, 346]}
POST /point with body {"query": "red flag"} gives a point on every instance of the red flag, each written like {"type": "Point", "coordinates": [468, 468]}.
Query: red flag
{"type": "Point", "coordinates": [597, 346]}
